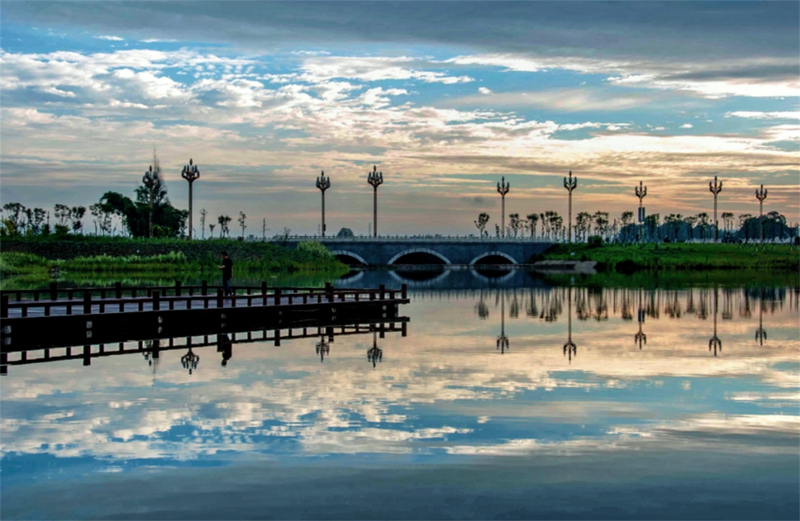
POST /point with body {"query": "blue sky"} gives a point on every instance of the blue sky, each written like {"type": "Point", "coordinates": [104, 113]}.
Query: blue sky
{"type": "Point", "coordinates": [443, 97]}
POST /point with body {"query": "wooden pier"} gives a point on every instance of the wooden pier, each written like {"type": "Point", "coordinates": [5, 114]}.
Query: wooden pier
{"type": "Point", "coordinates": [34, 319]}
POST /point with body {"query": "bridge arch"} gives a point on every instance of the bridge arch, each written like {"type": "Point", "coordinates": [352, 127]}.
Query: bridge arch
{"type": "Point", "coordinates": [344, 253]}
{"type": "Point", "coordinates": [494, 254]}
{"type": "Point", "coordinates": [419, 250]}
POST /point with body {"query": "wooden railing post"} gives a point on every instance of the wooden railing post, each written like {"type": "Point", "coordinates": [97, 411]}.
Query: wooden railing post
{"type": "Point", "coordinates": [329, 291]}
{"type": "Point", "coordinates": [277, 296]}
{"type": "Point", "coordinates": [156, 300]}
{"type": "Point", "coordinates": [118, 289]}
{"type": "Point", "coordinates": [177, 288]}
{"type": "Point", "coordinates": [53, 290]}
{"type": "Point", "coordinates": [382, 289]}
{"type": "Point", "coordinates": [404, 290]}
{"type": "Point", "coordinates": [4, 306]}
{"type": "Point", "coordinates": [219, 298]}
{"type": "Point", "coordinates": [204, 285]}
{"type": "Point", "coordinates": [264, 292]}
{"type": "Point", "coordinates": [87, 302]}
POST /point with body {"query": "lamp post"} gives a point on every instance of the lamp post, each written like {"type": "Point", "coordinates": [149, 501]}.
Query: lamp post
{"type": "Point", "coordinates": [149, 180]}
{"type": "Point", "coordinates": [761, 194]}
{"type": "Point", "coordinates": [502, 189]}
{"type": "Point", "coordinates": [570, 185]}
{"type": "Point", "coordinates": [191, 174]}
{"type": "Point", "coordinates": [641, 192]}
{"type": "Point", "coordinates": [323, 183]}
{"type": "Point", "coordinates": [715, 189]}
{"type": "Point", "coordinates": [323, 348]}
{"type": "Point", "coordinates": [375, 179]}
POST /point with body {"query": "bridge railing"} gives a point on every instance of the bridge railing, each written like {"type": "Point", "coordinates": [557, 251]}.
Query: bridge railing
{"type": "Point", "coordinates": [412, 238]}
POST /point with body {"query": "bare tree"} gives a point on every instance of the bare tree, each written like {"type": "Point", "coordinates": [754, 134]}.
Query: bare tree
{"type": "Point", "coordinates": [203, 214]}
{"type": "Point", "coordinates": [241, 220]}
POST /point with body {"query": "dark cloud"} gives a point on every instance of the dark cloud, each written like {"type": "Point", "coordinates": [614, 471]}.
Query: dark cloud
{"type": "Point", "coordinates": [650, 30]}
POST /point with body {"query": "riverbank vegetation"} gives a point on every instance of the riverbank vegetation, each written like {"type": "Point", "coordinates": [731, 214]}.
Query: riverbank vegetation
{"type": "Point", "coordinates": [34, 260]}
{"type": "Point", "coordinates": [678, 256]}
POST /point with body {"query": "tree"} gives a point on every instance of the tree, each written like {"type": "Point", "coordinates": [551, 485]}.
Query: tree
{"type": "Point", "coordinates": [241, 220]}
{"type": "Point", "coordinates": [514, 223]}
{"type": "Point", "coordinates": [76, 214]}
{"type": "Point", "coordinates": [533, 218]}
{"type": "Point", "coordinates": [583, 222]}
{"type": "Point", "coordinates": [211, 230]}
{"type": "Point", "coordinates": [223, 221]}
{"type": "Point", "coordinates": [345, 232]}
{"type": "Point", "coordinates": [12, 223]}
{"type": "Point", "coordinates": [727, 218]}
{"type": "Point", "coordinates": [626, 218]}
{"type": "Point", "coordinates": [600, 223]}
{"type": "Point", "coordinates": [483, 220]}
{"type": "Point", "coordinates": [203, 214]}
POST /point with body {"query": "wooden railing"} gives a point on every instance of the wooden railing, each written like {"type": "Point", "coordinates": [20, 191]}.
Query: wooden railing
{"type": "Point", "coordinates": [194, 297]}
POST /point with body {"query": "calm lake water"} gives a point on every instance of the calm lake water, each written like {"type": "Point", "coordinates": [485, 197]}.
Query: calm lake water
{"type": "Point", "coordinates": [511, 396]}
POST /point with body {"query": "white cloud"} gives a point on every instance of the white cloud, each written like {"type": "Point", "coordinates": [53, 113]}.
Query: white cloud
{"type": "Point", "coordinates": [318, 69]}
{"type": "Point", "coordinates": [764, 115]}
{"type": "Point", "coordinates": [109, 38]}
{"type": "Point", "coordinates": [158, 40]}
{"type": "Point", "coordinates": [484, 90]}
{"type": "Point", "coordinates": [687, 125]}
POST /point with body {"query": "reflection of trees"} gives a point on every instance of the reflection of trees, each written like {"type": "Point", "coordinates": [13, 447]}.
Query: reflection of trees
{"type": "Point", "coordinates": [672, 306]}
{"type": "Point", "coordinates": [481, 308]}
{"type": "Point", "coordinates": [323, 348]}
{"type": "Point", "coordinates": [513, 311]}
{"type": "Point", "coordinates": [551, 307]}
{"type": "Point", "coordinates": [531, 309]}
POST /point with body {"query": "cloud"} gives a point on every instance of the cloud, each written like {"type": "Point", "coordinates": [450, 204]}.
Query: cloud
{"type": "Point", "coordinates": [326, 68]}
{"type": "Point", "coordinates": [565, 100]}
{"type": "Point", "coordinates": [484, 90]}
{"type": "Point", "coordinates": [158, 40]}
{"type": "Point", "coordinates": [764, 115]}
{"type": "Point", "coordinates": [687, 125]}
{"type": "Point", "coordinates": [109, 38]}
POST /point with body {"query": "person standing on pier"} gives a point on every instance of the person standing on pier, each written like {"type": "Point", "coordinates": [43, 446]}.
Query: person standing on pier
{"type": "Point", "coordinates": [227, 273]}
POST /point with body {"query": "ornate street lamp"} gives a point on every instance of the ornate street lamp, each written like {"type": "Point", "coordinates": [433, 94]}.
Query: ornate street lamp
{"type": "Point", "coordinates": [149, 180]}
{"type": "Point", "coordinates": [641, 192]}
{"type": "Point", "coordinates": [715, 189]}
{"type": "Point", "coordinates": [570, 185]}
{"type": "Point", "coordinates": [502, 189]}
{"type": "Point", "coordinates": [761, 195]}
{"type": "Point", "coordinates": [323, 183]}
{"type": "Point", "coordinates": [189, 361]}
{"type": "Point", "coordinates": [191, 174]}
{"type": "Point", "coordinates": [375, 179]}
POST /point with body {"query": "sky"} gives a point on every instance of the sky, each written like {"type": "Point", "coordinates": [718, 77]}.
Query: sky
{"type": "Point", "coordinates": [444, 98]}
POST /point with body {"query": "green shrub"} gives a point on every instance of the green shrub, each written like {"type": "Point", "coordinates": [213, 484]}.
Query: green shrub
{"type": "Point", "coordinates": [314, 249]}
{"type": "Point", "coordinates": [594, 241]}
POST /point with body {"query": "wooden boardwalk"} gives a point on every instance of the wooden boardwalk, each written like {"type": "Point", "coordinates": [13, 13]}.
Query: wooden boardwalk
{"type": "Point", "coordinates": [67, 317]}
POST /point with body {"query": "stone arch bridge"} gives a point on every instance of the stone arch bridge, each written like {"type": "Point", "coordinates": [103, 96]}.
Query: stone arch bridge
{"type": "Point", "coordinates": [384, 251]}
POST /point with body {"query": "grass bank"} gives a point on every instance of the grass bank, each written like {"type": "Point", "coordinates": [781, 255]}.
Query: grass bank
{"type": "Point", "coordinates": [26, 263]}
{"type": "Point", "coordinates": [680, 256]}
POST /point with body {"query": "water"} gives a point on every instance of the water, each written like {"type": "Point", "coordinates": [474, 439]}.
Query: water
{"type": "Point", "coordinates": [512, 396]}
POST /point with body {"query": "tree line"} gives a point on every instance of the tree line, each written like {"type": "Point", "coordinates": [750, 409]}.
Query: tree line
{"type": "Point", "coordinates": [549, 225]}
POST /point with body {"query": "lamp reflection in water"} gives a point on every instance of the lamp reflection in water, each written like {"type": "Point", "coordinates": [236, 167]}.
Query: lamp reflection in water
{"type": "Point", "coordinates": [640, 336]}
{"type": "Point", "coordinates": [151, 356]}
{"type": "Point", "coordinates": [569, 348]}
{"type": "Point", "coordinates": [715, 343]}
{"type": "Point", "coordinates": [324, 348]}
{"type": "Point", "coordinates": [502, 340]}
{"type": "Point", "coordinates": [224, 346]}
{"type": "Point", "coordinates": [374, 354]}
{"type": "Point", "coordinates": [761, 335]}
{"type": "Point", "coordinates": [189, 360]}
